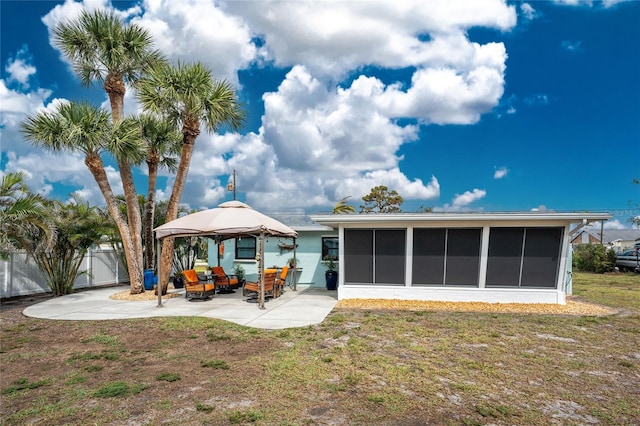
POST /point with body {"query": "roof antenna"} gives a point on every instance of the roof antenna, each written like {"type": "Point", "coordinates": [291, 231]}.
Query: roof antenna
{"type": "Point", "coordinates": [231, 186]}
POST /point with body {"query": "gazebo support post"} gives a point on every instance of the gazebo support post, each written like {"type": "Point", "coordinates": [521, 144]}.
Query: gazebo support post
{"type": "Point", "coordinates": [295, 266]}
{"type": "Point", "coordinates": [261, 270]}
{"type": "Point", "coordinates": [158, 287]}
{"type": "Point", "coordinates": [219, 241]}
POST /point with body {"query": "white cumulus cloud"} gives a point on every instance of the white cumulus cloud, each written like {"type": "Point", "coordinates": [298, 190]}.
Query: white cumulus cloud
{"type": "Point", "coordinates": [329, 129]}
{"type": "Point", "coordinates": [501, 172]}
{"type": "Point", "coordinates": [19, 68]}
{"type": "Point", "coordinates": [468, 197]}
{"type": "Point", "coordinates": [528, 11]}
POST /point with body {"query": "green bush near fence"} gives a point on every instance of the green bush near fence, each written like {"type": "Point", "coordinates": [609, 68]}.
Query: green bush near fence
{"type": "Point", "coordinates": [593, 258]}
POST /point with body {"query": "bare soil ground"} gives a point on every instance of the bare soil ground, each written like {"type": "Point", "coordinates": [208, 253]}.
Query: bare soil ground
{"type": "Point", "coordinates": [367, 364]}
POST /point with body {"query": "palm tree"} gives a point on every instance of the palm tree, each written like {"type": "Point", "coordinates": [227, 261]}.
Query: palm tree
{"type": "Point", "coordinates": [342, 206]}
{"type": "Point", "coordinates": [79, 226]}
{"type": "Point", "coordinates": [80, 127]}
{"type": "Point", "coordinates": [163, 149]}
{"type": "Point", "coordinates": [21, 212]}
{"type": "Point", "coordinates": [103, 48]}
{"type": "Point", "coordinates": [188, 96]}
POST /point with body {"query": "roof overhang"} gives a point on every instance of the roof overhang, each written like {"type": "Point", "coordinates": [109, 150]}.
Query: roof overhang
{"type": "Point", "coordinates": [335, 220]}
{"type": "Point", "coordinates": [316, 228]}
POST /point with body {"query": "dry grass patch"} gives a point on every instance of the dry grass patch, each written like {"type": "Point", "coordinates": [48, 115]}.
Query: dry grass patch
{"type": "Point", "coordinates": [572, 307]}
{"type": "Point", "coordinates": [362, 366]}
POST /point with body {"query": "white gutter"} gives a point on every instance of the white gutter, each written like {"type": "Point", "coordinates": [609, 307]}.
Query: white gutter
{"type": "Point", "coordinates": [335, 219]}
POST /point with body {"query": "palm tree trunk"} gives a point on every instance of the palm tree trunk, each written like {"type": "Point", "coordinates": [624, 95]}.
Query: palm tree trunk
{"type": "Point", "coordinates": [96, 167]}
{"type": "Point", "coordinates": [115, 88]}
{"type": "Point", "coordinates": [149, 247]}
{"type": "Point", "coordinates": [133, 215]}
{"type": "Point", "coordinates": [190, 131]}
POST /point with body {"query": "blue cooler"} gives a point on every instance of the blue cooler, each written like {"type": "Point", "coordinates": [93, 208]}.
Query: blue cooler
{"type": "Point", "coordinates": [149, 279]}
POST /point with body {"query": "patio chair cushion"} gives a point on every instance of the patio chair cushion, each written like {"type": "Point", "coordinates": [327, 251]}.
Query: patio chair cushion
{"type": "Point", "coordinates": [224, 280]}
{"type": "Point", "coordinates": [252, 289]}
{"type": "Point", "coordinates": [281, 280]}
{"type": "Point", "coordinates": [196, 288]}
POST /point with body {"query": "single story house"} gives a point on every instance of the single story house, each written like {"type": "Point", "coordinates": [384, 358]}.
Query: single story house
{"type": "Point", "coordinates": [617, 239]}
{"type": "Point", "coordinates": [313, 240]}
{"type": "Point", "coordinates": [458, 257]}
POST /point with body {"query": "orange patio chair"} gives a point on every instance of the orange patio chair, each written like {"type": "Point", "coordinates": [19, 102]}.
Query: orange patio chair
{"type": "Point", "coordinates": [252, 289]}
{"type": "Point", "coordinates": [196, 288]}
{"type": "Point", "coordinates": [225, 282]}
{"type": "Point", "coordinates": [281, 280]}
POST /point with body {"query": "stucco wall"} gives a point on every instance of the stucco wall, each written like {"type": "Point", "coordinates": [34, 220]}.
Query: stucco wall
{"type": "Point", "coordinates": [308, 254]}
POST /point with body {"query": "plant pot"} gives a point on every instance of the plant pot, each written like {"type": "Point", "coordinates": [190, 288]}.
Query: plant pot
{"type": "Point", "coordinates": [331, 277]}
{"type": "Point", "coordinates": [178, 282]}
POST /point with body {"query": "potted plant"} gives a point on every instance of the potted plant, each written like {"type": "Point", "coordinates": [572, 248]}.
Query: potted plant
{"type": "Point", "coordinates": [178, 281]}
{"type": "Point", "coordinates": [238, 271]}
{"type": "Point", "coordinates": [331, 275]}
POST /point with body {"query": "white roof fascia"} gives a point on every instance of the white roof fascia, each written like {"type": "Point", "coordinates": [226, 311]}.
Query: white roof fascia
{"type": "Point", "coordinates": [335, 220]}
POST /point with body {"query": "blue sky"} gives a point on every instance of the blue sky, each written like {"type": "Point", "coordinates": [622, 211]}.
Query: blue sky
{"type": "Point", "coordinates": [459, 106]}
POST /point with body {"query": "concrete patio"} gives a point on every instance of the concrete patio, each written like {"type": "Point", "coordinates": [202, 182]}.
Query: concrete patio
{"type": "Point", "coordinates": [306, 306]}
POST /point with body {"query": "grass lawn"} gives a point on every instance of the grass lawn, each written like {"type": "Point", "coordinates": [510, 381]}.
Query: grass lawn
{"type": "Point", "coordinates": [359, 367]}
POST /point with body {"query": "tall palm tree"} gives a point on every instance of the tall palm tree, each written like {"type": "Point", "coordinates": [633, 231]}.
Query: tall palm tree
{"type": "Point", "coordinates": [21, 212]}
{"type": "Point", "coordinates": [79, 127]}
{"type": "Point", "coordinates": [163, 148]}
{"type": "Point", "coordinates": [342, 206]}
{"type": "Point", "coordinates": [103, 48]}
{"type": "Point", "coordinates": [188, 96]}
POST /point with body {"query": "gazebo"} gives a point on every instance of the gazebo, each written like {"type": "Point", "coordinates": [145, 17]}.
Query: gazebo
{"type": "Point", "coordinates": [229, 220]}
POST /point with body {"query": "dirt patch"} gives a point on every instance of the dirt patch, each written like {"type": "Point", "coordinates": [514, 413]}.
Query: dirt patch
{"type": "Point", "coordinates": [147, 295]}
{"type": "Point", "coordinates": [573, 306]}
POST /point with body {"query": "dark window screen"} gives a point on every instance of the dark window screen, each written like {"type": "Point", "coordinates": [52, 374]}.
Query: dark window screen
{"type": "Point", "coordinates": [463, 256]}
{"type": "Point", "coordinates": [428, 256]}
{"type": "Point", "coordinates": [330, 248]}
{"type": "Point", "coordinates": [358, 254]}
{"type": "Point", "coordinates": [390, 256]}
{"type": "Point", "coordinates": [541, 257]}
{"type": "Point", "coordinates": [505, 256]}
{"type": "Point", "coordinates": [245, 248]}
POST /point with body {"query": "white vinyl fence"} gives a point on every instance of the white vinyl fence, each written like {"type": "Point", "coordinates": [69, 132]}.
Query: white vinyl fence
{"type": "Point", "coordinates": [19, 276]}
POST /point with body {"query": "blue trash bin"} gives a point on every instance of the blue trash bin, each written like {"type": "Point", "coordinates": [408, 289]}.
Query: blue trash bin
{"type": "Point", "coordinates": [148, 279]}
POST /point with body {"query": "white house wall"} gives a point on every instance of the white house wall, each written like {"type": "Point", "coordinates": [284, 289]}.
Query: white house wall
{"type": "Point", "coordinates": [443, 294]}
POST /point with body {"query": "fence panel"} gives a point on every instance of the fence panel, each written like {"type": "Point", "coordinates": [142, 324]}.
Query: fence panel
{"type": "Point", "coordinates": [19, 276]}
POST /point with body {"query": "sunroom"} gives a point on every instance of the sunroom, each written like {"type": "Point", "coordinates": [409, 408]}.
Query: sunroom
{"type": "Point", "coordinates": [456, 257]}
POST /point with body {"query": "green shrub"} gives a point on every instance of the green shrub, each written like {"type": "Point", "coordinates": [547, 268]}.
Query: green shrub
{"type": "Point", "coordinates": [111, 390]}
{"type": "Point", "coordinates": [593, 258]}
{"type": "Point", "coordinates": [116, 389]}
{"type": "Point", "coordinates": [238, 271]}
{"type": "Point", "coordinates": [22, 384]}
{"type": "Point", "coordinates": [216, 364]}
{"type": "Point", "coordinates": [168, 377]}
{"type": "Point", "coordinates": [204, 407]}
{"type": "Point", "coordinates": [238, 417]}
